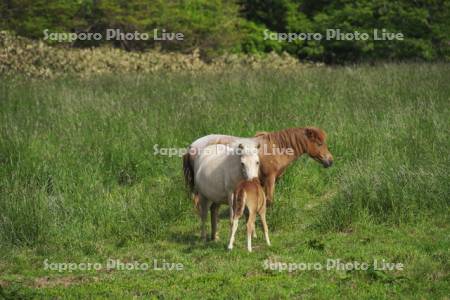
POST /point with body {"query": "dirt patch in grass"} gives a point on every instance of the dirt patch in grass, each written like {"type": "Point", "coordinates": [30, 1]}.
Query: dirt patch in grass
{"type": "Point", "coordinates": [66, 281]}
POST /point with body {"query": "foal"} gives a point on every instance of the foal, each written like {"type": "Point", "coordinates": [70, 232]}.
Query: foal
{"type": "Point", "coordinates": [251, 194]}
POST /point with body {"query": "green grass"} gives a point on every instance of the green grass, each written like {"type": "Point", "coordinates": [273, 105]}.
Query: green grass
{"type": "Point", "coordinates": [79, 182]}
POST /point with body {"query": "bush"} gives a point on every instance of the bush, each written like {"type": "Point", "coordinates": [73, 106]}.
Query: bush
{"type": "Point", "coordinates": [36, 59]}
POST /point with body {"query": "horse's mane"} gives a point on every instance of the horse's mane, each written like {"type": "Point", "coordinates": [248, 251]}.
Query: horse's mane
{"type": "Point", "coordinates": [294, 138]}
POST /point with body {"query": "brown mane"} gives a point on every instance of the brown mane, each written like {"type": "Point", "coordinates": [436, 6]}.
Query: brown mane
{"type": "Point", "coordinates": [292, 137]}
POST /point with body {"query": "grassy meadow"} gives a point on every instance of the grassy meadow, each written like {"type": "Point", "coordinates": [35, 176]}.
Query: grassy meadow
{"type": "Point", "coordinates": [80, 182]}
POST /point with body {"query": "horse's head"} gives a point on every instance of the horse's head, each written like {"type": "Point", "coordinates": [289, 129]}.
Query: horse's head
{"type": "Point", "coordinates": [249, 158]}
{"type": "Point", "coordinates": [316, 146]}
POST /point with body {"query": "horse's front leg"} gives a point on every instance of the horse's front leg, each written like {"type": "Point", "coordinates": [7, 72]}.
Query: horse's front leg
{"type": "Point", "coordinates": [246, 220]}
{"type": "Point", "coordinates": [269, 187]}
{"type": "Point", "coordinates": [262, 214]}
{"type": "Point", "coordinates": [230, 200]}
{"type": "Point", "coordinates": [214, 220]}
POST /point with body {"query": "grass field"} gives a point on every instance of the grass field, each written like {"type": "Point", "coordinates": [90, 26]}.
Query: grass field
{"type": "Point", "coordinates": [80, 182]}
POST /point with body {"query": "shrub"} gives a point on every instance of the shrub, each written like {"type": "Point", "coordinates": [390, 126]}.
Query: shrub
{"type": "Point", "coordinates": [36, 59]}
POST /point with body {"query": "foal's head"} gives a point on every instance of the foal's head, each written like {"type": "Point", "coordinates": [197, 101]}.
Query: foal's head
{"type": "Point", "coordinates": [249, 159]}
{"type": "Point", "coordinates": [316, 146]}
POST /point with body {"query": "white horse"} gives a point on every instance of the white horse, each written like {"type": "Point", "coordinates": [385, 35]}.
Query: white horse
{"type": "Point", "coordinates": [218, 169]}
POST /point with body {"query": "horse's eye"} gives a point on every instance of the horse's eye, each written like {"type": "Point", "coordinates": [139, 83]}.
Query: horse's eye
{"type": "Point", "coordinates": [319, 144]}
{"type": "Point", "coordinates": [257, 162]}
{"type": "Point", "coordinates": [242, 164]}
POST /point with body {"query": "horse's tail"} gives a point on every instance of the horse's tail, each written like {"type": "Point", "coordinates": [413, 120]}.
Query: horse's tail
{"type": "Point", "coordinates": [188, 172]}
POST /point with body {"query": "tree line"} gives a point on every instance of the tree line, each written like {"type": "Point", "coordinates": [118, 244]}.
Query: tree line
{"type": "Point", "coordinates": [336, 31]}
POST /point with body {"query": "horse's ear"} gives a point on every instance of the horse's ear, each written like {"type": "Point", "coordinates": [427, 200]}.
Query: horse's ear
{"type": "Point", "coordinates": [311, 133]}
{"type": "Point", "coordinates": [260, 133]}
{"type": "Point", "coordinates": [315, 134]}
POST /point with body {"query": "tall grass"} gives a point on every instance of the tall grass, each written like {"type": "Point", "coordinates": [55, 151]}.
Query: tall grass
{"type": "Point", "coordinates": [78, 161]}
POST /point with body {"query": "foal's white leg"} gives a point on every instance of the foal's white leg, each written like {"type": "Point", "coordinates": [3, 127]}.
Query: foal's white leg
{"type": "Point", "coordinates": [249, 242]}
{"type": "Point", "coordinates": [250, 229]}
{"type": "Point", "coordinates": [265, 228]}
{"type": "Point", "coordinates": [233, 233]}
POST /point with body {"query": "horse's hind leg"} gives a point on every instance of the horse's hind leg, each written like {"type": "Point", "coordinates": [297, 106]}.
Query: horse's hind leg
{"type": "Point", "coordinates": [204, 206]}
{"type": "Point", "coordinates": [214, 220]}
{"type": "Point", "coordinates": [246, 213]}
{"type": "Point", "coordinates": [233, 232]}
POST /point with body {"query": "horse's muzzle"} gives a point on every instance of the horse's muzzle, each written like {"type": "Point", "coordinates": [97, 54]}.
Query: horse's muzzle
{"type": "Point", "coordinates": [327, 163]}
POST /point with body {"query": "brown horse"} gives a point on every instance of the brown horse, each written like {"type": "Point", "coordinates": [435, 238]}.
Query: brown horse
{"type": "Point", "coordinates": [275, 157]}
{"type": "Point", "coordinates": [278, 150]}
